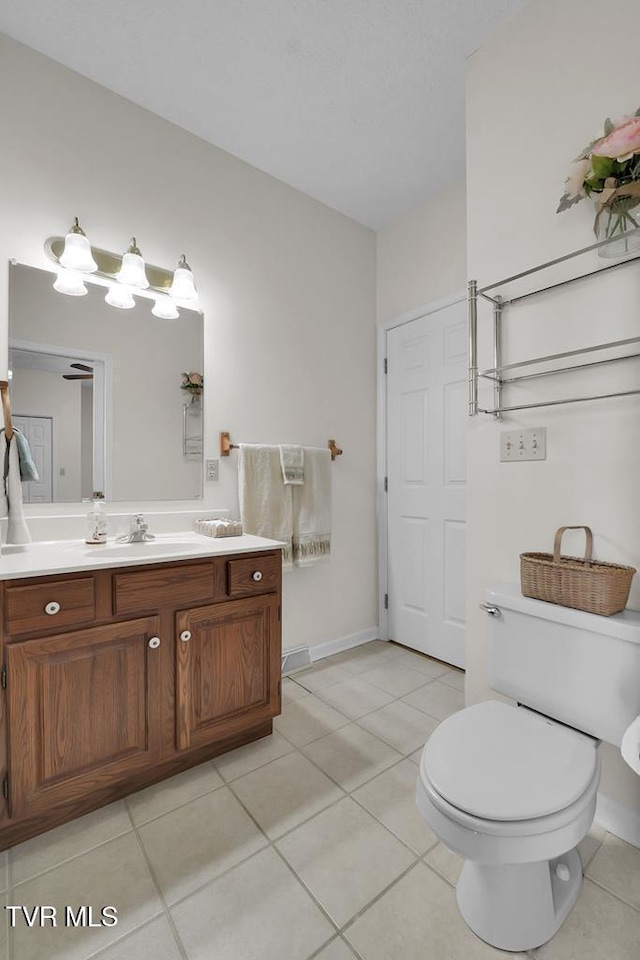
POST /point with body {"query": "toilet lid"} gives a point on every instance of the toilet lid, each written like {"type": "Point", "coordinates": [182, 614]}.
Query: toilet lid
{"type": "Point", "coordinates": [504, 763]}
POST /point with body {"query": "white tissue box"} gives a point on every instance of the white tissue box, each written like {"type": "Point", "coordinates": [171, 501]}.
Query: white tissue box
{"type": "Point", "coordinates": [219, 528]}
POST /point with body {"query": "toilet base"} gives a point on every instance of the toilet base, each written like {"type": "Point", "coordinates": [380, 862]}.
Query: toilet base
{"type": "Point", "coordinates": [519, 906]}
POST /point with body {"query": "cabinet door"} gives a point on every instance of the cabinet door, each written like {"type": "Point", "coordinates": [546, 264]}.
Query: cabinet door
{"type": "Point", "coordinates": [78, 712]}
{"type": "Point", "coordinates": [227, 669]}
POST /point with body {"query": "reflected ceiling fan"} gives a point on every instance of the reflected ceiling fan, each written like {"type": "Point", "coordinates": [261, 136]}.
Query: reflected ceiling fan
{"type": "Point", "coordinates": [87, 375]}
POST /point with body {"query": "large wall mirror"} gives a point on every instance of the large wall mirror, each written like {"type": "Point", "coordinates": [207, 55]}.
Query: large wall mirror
{"type": "Point", "coordinates": [97, 391]}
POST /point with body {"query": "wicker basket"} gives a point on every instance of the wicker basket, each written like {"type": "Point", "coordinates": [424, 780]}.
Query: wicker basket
{"type": "Point", "coordinates": [584, 584]}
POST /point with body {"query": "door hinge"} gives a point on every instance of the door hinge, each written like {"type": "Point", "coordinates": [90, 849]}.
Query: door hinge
{"type": "Point", "coordinates": [385, 365]}
{"type": "Point", "coordinates": [5, 786]}
{"type": "Point", "coordinates": [386, 484]}
{"type": "Point", "coordinates": [386, 601]}
{"type": "Point", "coordinates": [279, 611]}
{"type": "Point", "coordinates": [3, 676]}
{"type": "Point", "coordinates": [279, 688]}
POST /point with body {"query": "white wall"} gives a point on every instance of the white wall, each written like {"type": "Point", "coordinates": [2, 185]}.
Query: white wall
{"type": "Point", "coordinates": [287, 287]}
{"type": "Point", "coordinates": [537, 92]}
{"type": "Point", "coordinates": [421, 257]}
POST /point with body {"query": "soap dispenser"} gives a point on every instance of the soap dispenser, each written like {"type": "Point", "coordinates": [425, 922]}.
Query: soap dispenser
{"type": "Point", "coordinates": [96, 522]}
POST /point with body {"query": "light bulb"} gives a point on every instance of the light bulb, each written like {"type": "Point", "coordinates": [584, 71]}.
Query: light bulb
{"type": "Point", "coordinates": [120, 296]}
{"type": "Point", "coordinates": [183, 286]}
{"type": "Point", "coordinates": [132, 271]}
{"type": "Point", "coordinates": [165, 309]}
{"type": "Point", "coordinates": [71, 283]}
{"type": "Point", "coordinates": [77, 251]}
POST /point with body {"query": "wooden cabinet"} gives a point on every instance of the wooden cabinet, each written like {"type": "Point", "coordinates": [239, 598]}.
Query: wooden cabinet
{"type": "Point", "coordinates": [79, 711]}
{"type": "Point", "coordinates": [137, 673]}
{"type": "Point", "coordinates": [227, 669]}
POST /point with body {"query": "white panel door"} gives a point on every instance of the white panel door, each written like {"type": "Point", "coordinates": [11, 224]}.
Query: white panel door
{"type": "Point", "coordinates": [426, 465]}
{"type": "Point", "coordinates": [39, 434]}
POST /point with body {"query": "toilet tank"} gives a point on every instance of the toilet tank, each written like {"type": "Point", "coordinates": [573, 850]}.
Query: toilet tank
{"type": "Point", "coordinates": [576, 667]}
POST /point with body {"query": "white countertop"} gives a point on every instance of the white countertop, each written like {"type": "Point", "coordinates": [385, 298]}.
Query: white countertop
{"type": "Point", "coordinates": [73, 556]}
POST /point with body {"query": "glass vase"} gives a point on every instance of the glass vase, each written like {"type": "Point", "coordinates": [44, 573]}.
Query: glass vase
{"type": "Point", "coordinates": [619, 222]}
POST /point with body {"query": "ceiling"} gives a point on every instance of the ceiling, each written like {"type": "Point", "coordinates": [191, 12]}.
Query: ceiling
{"type": "Point", "coordinates": [358, 103]}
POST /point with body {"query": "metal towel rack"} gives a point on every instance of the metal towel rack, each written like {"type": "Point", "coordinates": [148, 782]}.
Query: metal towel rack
{"type": "Point", "coordinates": [226, 446]}
{"type": "Point", "coordinates": [497, 371]}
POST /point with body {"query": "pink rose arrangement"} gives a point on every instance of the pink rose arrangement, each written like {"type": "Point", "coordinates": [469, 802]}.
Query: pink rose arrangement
{"type": "Point", "coordinates": [609, 168]}
{"type": "Point", "coordinates": [192, 381]}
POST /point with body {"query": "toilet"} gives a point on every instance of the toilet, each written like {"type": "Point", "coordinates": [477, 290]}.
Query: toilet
{"type": "Point", "coordinates": [512, 789]}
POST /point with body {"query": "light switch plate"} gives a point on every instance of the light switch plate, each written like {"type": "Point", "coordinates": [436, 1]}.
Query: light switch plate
{"type": "Point", "coordinates": [523, 444]}
{"type": "Point", "coordinates": [211, 467]}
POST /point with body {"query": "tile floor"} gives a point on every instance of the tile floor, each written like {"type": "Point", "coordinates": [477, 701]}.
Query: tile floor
{"type": "Point", "coordinates": [303, 845]}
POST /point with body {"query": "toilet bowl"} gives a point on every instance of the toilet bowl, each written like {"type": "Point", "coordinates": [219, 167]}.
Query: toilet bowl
{"type": "Point", "coordinates": [512, 789]}
{"type": "Point", "coordinates": [513, 793]}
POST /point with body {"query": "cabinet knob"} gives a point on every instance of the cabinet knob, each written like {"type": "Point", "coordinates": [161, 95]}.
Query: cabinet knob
{"type": "Point", "coordinates": [52, 608]}
{"type": "Point", "coordinates": [185, 635]}
{"type": "Point", "coordinates": [257, 576]}
{"type": "Point", "coordinates": [154, 643]}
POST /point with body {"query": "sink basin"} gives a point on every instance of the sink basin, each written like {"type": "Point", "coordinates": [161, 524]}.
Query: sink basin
{"type": "Point", "coordinates": [148, 548]}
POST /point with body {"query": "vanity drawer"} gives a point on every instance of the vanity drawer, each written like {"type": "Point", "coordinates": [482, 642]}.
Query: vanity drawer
{"type": "Point", "coordinates": [253, 575]}
{"type": "Point", "coordinates": [179, 585]}
{"type": "Point", "coordinates": [46, 606]}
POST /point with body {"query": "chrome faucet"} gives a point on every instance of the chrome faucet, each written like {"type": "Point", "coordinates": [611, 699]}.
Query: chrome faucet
{"type": "Point", "coordinates": [138, 532]}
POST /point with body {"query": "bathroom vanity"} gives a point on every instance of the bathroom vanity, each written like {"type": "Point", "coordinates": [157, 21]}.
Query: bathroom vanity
{"type": "Point", "coordinates": [123, 665]}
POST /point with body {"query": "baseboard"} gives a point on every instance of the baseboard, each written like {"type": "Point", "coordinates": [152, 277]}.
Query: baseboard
{"type": "Point", "coordinates": [622, 821]}
{"type": "Point", "coordinates": [322, 650]}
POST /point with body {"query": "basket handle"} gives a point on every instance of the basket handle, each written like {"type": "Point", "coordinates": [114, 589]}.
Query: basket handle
{"type": "Point", "coordinates": [588, 552]}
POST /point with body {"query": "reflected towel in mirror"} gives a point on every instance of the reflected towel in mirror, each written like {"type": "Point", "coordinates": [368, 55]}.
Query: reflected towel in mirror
{"type": "Point", "coordinates": [11, 491]}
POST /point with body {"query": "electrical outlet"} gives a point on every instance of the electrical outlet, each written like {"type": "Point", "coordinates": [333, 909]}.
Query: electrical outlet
{"type": "Point", "coordinates": [523, 444]}
{"type": "Point", "coordinates": [211, 469]}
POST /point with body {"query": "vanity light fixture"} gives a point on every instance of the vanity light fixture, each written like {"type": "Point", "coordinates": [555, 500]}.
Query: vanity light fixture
{"type": "Point", "coordinates": [77, 253]}
{"type": "Point", "coordinates": [77, 261]}
{"type": "Point", "coordinates": [119, 295]}
{"type": "Point", "coordinates": [70, 282]}
{"type": "Point", "coordinates": [165, 309]}
{"type": "Point", "coordinates": [132, 272]}
{"type": "Point", "coordinates": [183, 286]}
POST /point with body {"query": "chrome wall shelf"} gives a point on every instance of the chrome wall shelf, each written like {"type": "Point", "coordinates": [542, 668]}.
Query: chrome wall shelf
{"type": "Point", "coordinates": [495, 374]}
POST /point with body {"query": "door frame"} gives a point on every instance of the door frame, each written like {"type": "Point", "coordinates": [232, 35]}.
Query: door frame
{"type": "Point", "coordinates": [384, 326]}
{"type": "Point", "coordinates": [102, 405]}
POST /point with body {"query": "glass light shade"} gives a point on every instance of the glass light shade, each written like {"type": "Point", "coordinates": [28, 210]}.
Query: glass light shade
{"type": "Point", "coordinates": [120, 296]}
{"type": "Point", "coordinates": [71, 283]}
{"type": "Point", "coordinates": [183, 286]}
{"type": "Point", "coordinates": [165, 309]}
{"type": "Point", "coordinates": [132, 271]}
{"type": "Point", "coordinates": [77, 254]}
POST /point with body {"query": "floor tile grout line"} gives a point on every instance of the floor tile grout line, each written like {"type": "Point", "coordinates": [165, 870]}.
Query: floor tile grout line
{"type": "Point", "coordinates": [158, 887]}
{"type": "Point", "coordinates": [81, 853]}
{"type": "Point", "coordinates": [281, 836]}
{"type": "Point", "coordinates": [324, 946]}
{"type": "Point", "coordinates": [358, 722]}
{"type": "Point", "coordinates": [435, 870]}
{"type": "Point", "coordinates": [260, 765]}
{"type": "Point", "coordinates": [123, 939]}
{"type": "Point", "coordinates": [272, 843]}
{"type": "Point", "coordinates": [178, 806]}
{"type": "Point", "coordinates": [616, 896]}
{"type": "Point", "coordinates": [346, 926]}
{"type": "Point", "coordinates": [309, 893]}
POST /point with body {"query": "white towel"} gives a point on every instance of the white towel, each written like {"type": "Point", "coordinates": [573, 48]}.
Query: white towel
{"type": "Point", "coordinates": [265, 501]}
{"type": "Point", "coordinates": [11, 492]}
{"type": "Point", "coordinates": [312, 509]}
{"type": "Point", "coordinates": [292, 461]}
